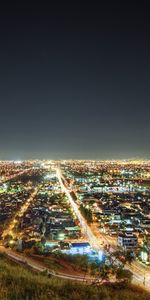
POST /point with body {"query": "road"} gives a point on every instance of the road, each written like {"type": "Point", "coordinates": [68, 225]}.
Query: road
{"type": "Point", "coordinates": [10, 177]}
{"type": "Point", "coordinates": [139, 277]}
{"type": "Point", "coordinates": [10, 229]}
{"type": "Point", "coordinates": [136, 267]}
{"type": "Point", "coordinates": [35, 265]}
{"type": "Point", "coordinates": [84, 226]}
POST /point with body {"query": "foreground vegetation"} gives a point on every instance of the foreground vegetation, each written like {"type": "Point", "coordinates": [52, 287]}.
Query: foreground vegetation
{"type": "Point", "coordinates": [18, 283]}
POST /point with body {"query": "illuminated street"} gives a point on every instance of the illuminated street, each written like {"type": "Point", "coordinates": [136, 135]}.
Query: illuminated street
{"type": "Point", "coordinates": [85, 228]}
{"type": "Point", "coordinates": [20, 213]}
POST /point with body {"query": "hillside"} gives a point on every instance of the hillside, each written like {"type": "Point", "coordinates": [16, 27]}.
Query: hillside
{"type": "Point", "coordinates": [18, 283]}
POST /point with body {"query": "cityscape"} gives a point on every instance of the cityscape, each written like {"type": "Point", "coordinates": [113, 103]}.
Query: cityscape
{"type": "Point", "coordinates": [53, 212]}
{"type": "Point", "coordinates": [74, 150]}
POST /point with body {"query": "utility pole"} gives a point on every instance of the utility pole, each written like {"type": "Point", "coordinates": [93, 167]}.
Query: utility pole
{"type": "Point", "coordinates": [144, 280]}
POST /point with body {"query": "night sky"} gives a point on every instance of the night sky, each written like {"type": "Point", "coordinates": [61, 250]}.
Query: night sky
{"type": "Point", "coordinates": [74, 81]}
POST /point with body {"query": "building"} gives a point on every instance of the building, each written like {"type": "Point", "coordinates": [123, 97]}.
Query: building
{"type": "Point", "coordinates": [73, 232]}
{"type": "Point", "coordinates": [127, 240]}
{"type": "Point", "coordinates": [145, 255]}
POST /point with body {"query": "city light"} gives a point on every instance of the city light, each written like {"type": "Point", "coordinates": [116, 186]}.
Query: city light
{"type": "Point", "coordinates": [78, 208]}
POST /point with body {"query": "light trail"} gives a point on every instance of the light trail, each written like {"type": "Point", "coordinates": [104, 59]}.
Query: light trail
{"type": "Point", "coordinates": [85, 228]}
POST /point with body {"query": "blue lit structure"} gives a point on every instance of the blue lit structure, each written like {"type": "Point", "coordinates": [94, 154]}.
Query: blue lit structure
{"type": "Point", "coordinates": [85, 249]}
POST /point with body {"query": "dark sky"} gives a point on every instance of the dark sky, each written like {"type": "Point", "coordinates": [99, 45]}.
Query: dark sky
{"type": "Point", "coordinates": [74, 81]}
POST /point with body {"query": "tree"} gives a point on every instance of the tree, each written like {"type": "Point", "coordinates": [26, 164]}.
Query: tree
{"type": "Point", "coordinates": [93, 268]}
{"type": "Point", "coordinates": [86, 212]}
{"type": "Point", "coordinates": [124, 274]}
{"type": "Point", "coordinates": [104, 272]}
{"type": "Point", "coordinates": [129, 256]}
